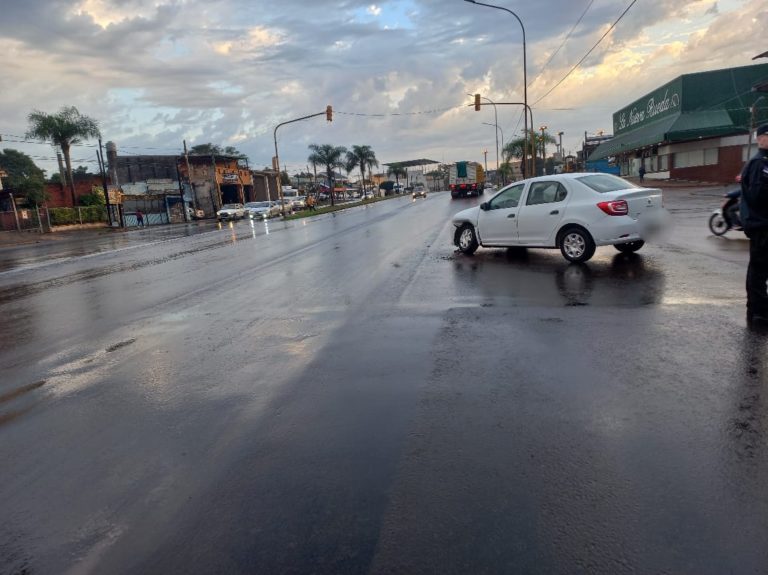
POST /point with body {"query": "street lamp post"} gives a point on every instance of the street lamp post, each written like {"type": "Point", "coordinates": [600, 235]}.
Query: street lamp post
{"type": "Point", "coordinates": [525, 67]}
{"type": "Point", "coordinates": [498, 129]}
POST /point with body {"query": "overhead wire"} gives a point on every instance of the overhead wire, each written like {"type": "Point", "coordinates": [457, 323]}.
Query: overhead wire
{"type": "Point", "coordinates": [555, 53]}
{"type": "Point", "coordinates": [552, 89]}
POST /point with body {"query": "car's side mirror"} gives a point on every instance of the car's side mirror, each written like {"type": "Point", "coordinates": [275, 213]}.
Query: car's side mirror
{"type": "Point", "coordinates": [484, 206]}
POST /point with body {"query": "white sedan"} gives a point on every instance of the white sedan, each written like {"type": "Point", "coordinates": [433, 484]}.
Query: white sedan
{"type": "Point", "coordinates": [261, 210]}
{"type": "Point", "coordinates": [573, 212]}
{"type": "Point", "coordinates": [230, 212]}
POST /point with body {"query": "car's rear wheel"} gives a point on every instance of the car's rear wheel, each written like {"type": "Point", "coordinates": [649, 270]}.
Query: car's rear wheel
{"type": "Point", "coordinates": [576, 244]}
{"type": "Point", "coordinates": [629, 247]}
{"type": "Point", "coordinates": [468, 240]}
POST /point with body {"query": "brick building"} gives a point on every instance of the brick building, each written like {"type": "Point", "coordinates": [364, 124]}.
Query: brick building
{"type": "Point", "coordinates": [696, 127]}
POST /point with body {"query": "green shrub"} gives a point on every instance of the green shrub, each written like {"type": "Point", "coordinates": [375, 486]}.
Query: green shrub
{"type": "Point", "coordinates": [68, 216]}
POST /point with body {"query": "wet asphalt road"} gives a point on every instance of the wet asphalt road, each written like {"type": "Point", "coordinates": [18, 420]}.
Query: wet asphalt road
{"type": "Point", "coordinates": [348, 395]}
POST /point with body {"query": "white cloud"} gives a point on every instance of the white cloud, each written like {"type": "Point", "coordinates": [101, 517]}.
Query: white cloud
{"type": "Point", "coordinates": [157, 72]}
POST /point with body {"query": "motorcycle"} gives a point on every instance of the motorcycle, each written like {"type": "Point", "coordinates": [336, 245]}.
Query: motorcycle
{"type": "Point", "coordinates": [719, 224]}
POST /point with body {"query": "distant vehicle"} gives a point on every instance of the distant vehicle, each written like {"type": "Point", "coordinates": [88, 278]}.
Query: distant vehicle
{"type": "Point", "coordinates": [261, 210]}
{"type": "Point", "coordinates": [230, 212]}
{"type": "Point", "coordinates": [299, 203]}
{"type": "Point", "coordinates": [399, 188]}
{"type": "Point", "coordinates": [288, 206]}
{"type": "Point", "coordinates": [574, 212]}
{"type": "Point", "coordinates": [466, 179]}
{"type": "Point", "coordinates": [419, 191]}
{"type": "Point", "coordinates": [195, 214]}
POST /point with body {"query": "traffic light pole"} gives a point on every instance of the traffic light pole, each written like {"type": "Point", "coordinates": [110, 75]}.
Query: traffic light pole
{"type": "Point", "coordinates": [328, 113]}
{"type": "Point", "coordinates": [529, 115]}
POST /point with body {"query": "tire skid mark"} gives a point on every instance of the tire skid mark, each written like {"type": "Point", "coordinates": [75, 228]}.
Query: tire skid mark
{"type": "Point", "coordinates": [19, 391]}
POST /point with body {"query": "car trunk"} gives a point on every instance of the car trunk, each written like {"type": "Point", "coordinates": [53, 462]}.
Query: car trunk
{"type": "Point", "coordinates": [640, 201]}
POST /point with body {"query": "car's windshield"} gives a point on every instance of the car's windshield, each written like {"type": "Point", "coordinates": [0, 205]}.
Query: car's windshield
{"type": "Point", "coordinates": [257, 205]}
{"type": "Point", "coordinates": [230, 206]}
{"type": "Point", "coordinates": [603, 183]}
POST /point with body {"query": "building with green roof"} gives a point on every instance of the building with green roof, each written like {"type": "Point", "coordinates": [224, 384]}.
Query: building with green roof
{"type": "Point", "coordinates": [696, 127]}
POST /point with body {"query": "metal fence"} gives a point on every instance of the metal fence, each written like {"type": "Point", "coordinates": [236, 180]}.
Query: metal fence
{"type": "Point", "coordinates": [43, 219]}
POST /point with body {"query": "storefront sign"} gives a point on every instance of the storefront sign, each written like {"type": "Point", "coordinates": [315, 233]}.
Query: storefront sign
{"type": "Point", "coordinates": [663, 102]}
{"type": "Point", "coordinates": [229, 177]}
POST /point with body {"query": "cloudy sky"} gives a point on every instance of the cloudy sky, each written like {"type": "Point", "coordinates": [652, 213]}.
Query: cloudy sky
{"type": "Point", "coordinates": [156, 72]}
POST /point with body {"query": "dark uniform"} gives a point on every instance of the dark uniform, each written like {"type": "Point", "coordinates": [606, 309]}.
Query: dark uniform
{"type": "Point", "coordinates": [754, 219]}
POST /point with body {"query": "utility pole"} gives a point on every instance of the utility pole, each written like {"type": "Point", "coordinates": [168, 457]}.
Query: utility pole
{"type": "Point", "coordinates": [189, 179]}
{"type": "Point", "coordinates": [100, 158]}
{"type": "Point", "coordinates": [485, 156]}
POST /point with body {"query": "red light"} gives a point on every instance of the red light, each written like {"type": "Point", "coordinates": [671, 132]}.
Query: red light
{"type": "Point", "coordinates": [615, 208]}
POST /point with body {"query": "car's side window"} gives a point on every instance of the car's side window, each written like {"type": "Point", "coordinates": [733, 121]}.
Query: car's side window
{"type": "Point", "coordinates": [546, 193]}
{"type": "Point", "coordinates": [509, 198]}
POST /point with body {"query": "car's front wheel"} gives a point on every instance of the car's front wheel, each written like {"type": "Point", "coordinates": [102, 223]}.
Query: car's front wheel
{"type": "Point", "coordinates": [576, 244]}
{"type": "Point", "coordinates": [468, 240]}
{"type": "Point", "coordinates": [629, 247]}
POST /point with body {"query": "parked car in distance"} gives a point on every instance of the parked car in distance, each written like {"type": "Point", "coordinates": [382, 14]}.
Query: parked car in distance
{"type": "Point", "coordinates": [299, 203]}
{"type": "Point", "coordinates": [230, 212]}
{"type": "Point", "coordinates": [286, 203]}
{"type": "Point", "coordinates": [574, 212]}
{"type": "Point", "coordinates": [260, 210]}
{"type": "Point", "coordinates": [419, 191]}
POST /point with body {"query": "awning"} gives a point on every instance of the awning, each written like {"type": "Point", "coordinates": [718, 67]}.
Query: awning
{"type": "Point", "coordinates": [675, 128]}
{"type": "Point", "coordinates": [706, 124]}
{"type": "Point", "coordinates": [647, 135]}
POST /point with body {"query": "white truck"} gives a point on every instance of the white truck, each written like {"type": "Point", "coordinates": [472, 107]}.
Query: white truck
{"type": "Point", "coordinates": [466, 179]}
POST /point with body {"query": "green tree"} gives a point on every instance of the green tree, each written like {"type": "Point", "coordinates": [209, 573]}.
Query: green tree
{"type": "Point", "coordinates": [208, 149]}
{"type": "Point", "coordinates": [64, 129]}
{"type": "Point", "coordinates": [285, 179]}
{"type": "Point", "coordinates": [535, 141]}
{"type": "Point", "coordinates": [329, 156]}
{"type": "Point", "coordinates": [362, 157]}
{"type": "Point", "coordinates": [24, 178]}
{"type": "Point", "coordinates": [397, 170]}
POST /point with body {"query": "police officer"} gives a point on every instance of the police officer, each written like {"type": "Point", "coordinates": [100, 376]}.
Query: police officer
{"type": "Point", "coordinates": [754, 218]}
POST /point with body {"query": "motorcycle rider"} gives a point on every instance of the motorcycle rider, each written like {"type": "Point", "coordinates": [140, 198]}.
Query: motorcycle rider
{"type": "Point", "coordinates": [754, 219]}
{"type": "Point", "coordinates": [730, 209]}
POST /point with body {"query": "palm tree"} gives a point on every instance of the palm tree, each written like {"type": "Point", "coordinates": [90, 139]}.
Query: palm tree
{"type": "Point", "coordinates": [329, 156]}
{"type": "Point", "coordinates": [64, 129]}
{"type": "Point", "coordinates": [516, 148]}
{"type": "Point", "coordinates": [364, 158]}
{"type": "Point", "coordinates": [397, 170]}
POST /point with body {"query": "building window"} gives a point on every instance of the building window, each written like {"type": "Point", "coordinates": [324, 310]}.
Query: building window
{"type": "Point", "coordinates": [664, 163]}
{"type": "Point", "coordinates": [696, 158]}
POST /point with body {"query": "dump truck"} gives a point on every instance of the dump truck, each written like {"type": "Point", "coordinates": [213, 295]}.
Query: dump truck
{"type": "Point", "coordinates": [466, 179]}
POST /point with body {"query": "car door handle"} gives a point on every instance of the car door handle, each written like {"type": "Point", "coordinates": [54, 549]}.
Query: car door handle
{"type": "Point", "coordinates": [511, 216]}
{"type": "Point", "coordinates": [554, 212]}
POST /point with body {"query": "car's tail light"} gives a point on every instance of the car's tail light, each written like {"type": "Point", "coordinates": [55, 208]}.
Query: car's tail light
{"type": "Point", "coordinates": [615, 208]}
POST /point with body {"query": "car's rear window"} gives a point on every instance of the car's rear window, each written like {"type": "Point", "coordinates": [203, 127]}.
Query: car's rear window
{"type": "Point", "coordinates": [603, 183]}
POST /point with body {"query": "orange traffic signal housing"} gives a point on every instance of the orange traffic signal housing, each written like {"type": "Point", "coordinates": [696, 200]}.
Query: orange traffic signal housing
{"type": "Point", "coordinates": [329, 113]}
{"type": "Point", "coordinates": [477, 102]}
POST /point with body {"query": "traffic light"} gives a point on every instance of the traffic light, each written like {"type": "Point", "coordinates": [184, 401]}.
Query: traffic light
{"type": "Point", "coordinates": [477, 102]}
{"type": "Point", "coordinates": [329, 113]}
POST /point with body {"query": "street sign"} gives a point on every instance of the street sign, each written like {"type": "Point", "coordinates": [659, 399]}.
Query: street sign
{"type": "Point", "coordinates": [115, 196]}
